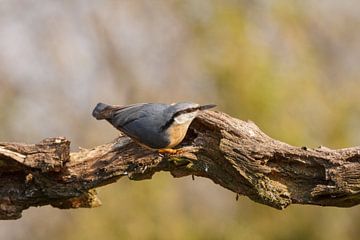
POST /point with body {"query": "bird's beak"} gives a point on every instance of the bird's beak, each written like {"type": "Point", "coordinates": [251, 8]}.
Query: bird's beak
{"type": "Point", "coordinates": [208, 106]}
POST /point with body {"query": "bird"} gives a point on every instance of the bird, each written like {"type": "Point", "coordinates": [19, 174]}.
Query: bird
{"type": "Point", "coordinates": [156, 126]}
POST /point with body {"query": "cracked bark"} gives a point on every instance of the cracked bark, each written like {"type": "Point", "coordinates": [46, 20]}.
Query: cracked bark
{"type": "Point", "coordinates": [232, 153]}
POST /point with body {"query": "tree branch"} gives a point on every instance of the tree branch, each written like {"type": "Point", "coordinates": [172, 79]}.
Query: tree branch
{"type": "Point", "coordinates": [234, 154]}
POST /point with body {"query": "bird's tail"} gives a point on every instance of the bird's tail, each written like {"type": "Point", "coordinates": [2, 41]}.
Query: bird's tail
{"type": "Point", "coordinates": [104, 111]}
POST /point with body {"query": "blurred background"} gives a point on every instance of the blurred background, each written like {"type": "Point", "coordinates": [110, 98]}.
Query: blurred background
{"type": "Point", "coordinates": [292, 67]}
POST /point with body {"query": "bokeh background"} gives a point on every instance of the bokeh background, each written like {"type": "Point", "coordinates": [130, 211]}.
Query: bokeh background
{"type": "Point", "coordinates": [292, 67]}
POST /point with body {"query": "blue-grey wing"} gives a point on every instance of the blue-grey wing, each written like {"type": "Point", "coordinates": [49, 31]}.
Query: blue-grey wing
{"type": "Point", "coordinates": [128, 114]}
{"type": "Point", "coordinates": [143, 123]}
{"type": "Point", "coordinates": [143, 131]}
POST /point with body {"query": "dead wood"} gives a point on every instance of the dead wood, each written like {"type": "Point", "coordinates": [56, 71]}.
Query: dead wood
{"type": "Point", "coordinates": [232, 153]}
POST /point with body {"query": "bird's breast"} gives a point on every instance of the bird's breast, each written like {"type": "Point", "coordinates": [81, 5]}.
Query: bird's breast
{"type": "Point", "coordinates": [176, 133]}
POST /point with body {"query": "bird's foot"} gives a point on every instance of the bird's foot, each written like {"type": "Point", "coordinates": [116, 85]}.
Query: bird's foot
{"type": "Point", "coordinates": [169, 151]}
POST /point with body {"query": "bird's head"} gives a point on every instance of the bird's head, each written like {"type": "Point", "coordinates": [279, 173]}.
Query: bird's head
{"type": "Point", "coordinates": [183, 113]}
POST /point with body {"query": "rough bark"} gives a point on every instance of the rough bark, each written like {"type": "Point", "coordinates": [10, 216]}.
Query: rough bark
{"type": "Point", "coordinates": [232, 153]}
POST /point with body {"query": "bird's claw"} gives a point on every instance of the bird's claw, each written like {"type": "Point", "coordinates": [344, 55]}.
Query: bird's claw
{"type": "Point", "coordinates": [169, 151]}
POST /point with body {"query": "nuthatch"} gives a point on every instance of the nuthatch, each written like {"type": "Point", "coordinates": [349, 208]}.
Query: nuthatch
{"type": "Point", "coordinates": [153, 125]}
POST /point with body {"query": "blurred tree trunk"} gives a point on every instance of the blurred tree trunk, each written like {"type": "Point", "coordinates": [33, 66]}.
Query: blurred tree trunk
{"type": "Point", "coordinates": [233, 153]}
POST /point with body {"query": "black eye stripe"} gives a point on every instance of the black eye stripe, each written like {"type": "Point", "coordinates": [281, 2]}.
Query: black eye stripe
{"type": "Point", "coordinates": [188, 110]}
{"type": "Point", "coordinates": [171, 120]}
